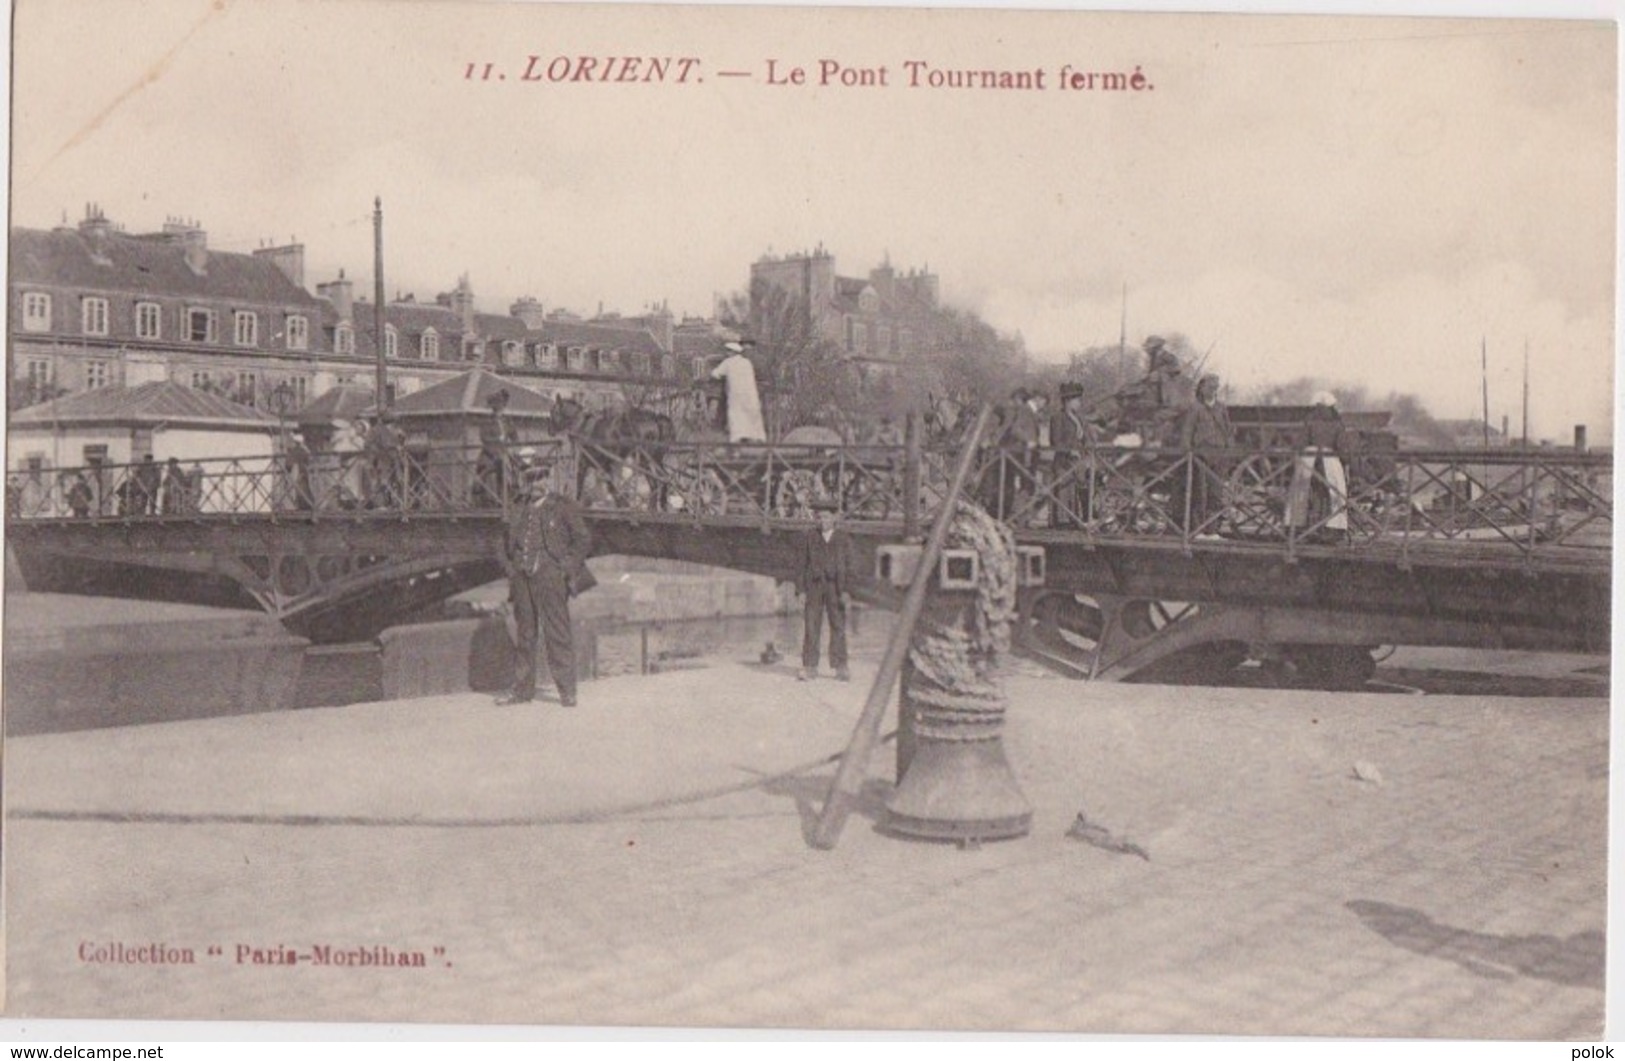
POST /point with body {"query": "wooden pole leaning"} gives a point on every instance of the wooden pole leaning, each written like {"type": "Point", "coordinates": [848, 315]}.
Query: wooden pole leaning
{"type": "Point", "coordinates": [843, 791]}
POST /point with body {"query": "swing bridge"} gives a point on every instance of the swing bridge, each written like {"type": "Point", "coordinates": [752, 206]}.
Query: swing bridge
{"type": "Point", "coordinates": [1152, 562]}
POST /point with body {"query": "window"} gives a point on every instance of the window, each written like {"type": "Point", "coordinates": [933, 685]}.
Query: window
{"type": "Point", "coordinates": [201, 380]}
{"type": "Point", "coordinates": [609, 360]}
{"type": "Point", "coordinates": [39, 374]}
{"type": "Point", "coordinates": [549, 355]}
{"type": "Point", "coordinates": [200, 325]}
{"type": "Point", "coordinates": [36, 312]}
{"type": "Point", "coordinates": [93, 315]}
{"type": "Point", "coordinates": [245, 327]}
{"type": "Point", "coordinates": [248, 386]}
{"type": "Point", "coordinates": [298, 386]}
{"type": "Point", "coordinates": [97, 375]}
{"type": "Point", "coordinates": [298, 332]}
{"type": "Point", "coordinates": [511, 353]}
{"type": "Point", "coordinates": [391, 341]}
{"type": "Point", "coordinates": [344, 339]}
{"type": "Point", "coordinates": [431, 345]}
{"type": "Point", "coordinates": [148, 320]}
{"type": "Point", "coordinates": [576, 358]}
{"type": "Point", "coordinates": [640, 363]}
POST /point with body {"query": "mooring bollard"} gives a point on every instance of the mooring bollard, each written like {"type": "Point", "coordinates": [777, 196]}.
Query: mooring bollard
{"type": "Point", "coordinates": [954, 781]}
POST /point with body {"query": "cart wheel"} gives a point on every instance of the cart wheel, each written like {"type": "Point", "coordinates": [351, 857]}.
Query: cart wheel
{"type": "Point", "coordinates": [633, 489]}
{"type": "Point", "coordinates": [699, 493]}
{"type": "Point", "coordinates": [796, 493]}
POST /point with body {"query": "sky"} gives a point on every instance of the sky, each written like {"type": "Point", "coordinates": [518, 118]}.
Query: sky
{"type": "Point", "coordinates": [1364, 200]}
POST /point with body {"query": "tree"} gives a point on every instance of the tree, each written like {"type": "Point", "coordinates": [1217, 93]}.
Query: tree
{"type": "Point", "coordinates": [802, 375]}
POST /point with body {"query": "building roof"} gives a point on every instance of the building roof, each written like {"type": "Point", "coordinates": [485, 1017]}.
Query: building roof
{"type": "Point", "coordinates": [153, 265]}
{"type": "Point", "coordinates": [161, 402]}
{"type": "Point", "coordinates": [471, 393]}
{"type": "Point", "coordinates": [343, 402]}
{"type": "Point", "coordinates": [412, 319]}
{"type": "Point", "coordinates": [600, 336]}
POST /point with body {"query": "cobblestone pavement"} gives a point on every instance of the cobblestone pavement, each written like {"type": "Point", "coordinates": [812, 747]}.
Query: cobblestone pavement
{"type": "Point", "coordinates": [640, 860]}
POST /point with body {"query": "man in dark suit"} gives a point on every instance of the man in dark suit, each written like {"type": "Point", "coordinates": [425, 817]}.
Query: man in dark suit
{"type": "Point", "coordinates": [824, 559]}
{"type": "Point", "coordinates": [546, 557]}
{"type": "Point", "coordinates": [1204, 433]}
{"type": "Point", "coordinates": [1071, 435]}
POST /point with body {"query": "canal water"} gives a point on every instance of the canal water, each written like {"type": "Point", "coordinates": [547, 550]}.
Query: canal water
{"type": "Point", "coordinates": [343, 674]}
{"type": "Point", "coordinates": [334, 675]}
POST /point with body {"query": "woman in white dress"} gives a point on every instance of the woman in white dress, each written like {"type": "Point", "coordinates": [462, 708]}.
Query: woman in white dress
{"type": "Point", "coordinates": [738, 376]}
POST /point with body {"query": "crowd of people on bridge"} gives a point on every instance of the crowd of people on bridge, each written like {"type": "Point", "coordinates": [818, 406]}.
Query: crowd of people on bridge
{"type": "Point", "coordinates": [1044, 461]}
{"type": "Point", "coordinates": [1045, 457]}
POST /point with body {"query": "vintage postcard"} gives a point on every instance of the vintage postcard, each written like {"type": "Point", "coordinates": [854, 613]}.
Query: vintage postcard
{"type": "Point", "coordinates": [809, 518]}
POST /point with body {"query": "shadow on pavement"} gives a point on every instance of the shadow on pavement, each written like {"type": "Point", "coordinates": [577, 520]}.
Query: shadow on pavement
{"type": "Point", "coordinates": [809, 793]}
{"type": "Point", "coordinates": [1576, 961]}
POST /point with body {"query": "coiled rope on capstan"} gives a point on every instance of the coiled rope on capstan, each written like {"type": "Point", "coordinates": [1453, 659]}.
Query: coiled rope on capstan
{"type": "Point", "coordinates": [957, 645]}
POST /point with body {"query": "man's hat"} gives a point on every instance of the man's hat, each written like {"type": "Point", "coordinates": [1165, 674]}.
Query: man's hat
{"type": "Point", "coordinates": [734, 346]}
{"type": "Point", "coordinates": [1070, 390]}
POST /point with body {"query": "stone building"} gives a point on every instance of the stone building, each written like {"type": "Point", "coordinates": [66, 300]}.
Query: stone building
{"type": "Point", "coordinates": [884, 318]}
{"type": "Point", "coordinates": [93, 306]}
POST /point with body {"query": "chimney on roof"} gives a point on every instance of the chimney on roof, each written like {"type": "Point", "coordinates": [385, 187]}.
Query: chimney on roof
{"type": "Point", "coordinates": [462, 302]}
{"type": "Point", "coordinates": [190, 235]}
{"type": "Point", "coordinates": [96, 229]}
{"type": "Point", "coordinates": [289, 260]}
{"type": "Point", "coordinates": [662, 325]}
{"type": "Point", "coordinates": [529, 311]}
{"type": "Point", "coordinates": [341, 293]}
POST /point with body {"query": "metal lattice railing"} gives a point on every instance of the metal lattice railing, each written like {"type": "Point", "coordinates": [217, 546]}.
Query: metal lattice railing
{"type": "Point", "coordinates": [1523, 500]}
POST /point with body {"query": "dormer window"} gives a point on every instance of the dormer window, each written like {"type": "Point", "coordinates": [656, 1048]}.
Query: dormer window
{"type": "Point", "coordinates": [512, 353]}
{"type": "Point", "coordinates": [609, 360]}
{"type": "Point", "coordinates": [245, 328]}
{"type": "Point", "coordinates": [431, 345]}
{"type": "Point", "coordinates": [298, 332]}
{"type": "Point", "coordinates": [148, 320]}
{"type": "Point", "coordinates": [200, 325]}
{"type": "Point", "coordinates": [36, 312]}
{"type": "Point", "coordinates": [391, 341]}
{"type": "Point", "coordinates": [344, 339]}
{"type": "Point", "coordinates": [93, 316]}
{"type": "Point", "coordinates": [547, 355]}
{"type": "Point", "coordinates": [576, 358]}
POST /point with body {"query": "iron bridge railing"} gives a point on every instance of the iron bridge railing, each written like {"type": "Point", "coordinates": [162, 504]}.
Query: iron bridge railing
{"type": "Point", "coordinates": [1529, 502]}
